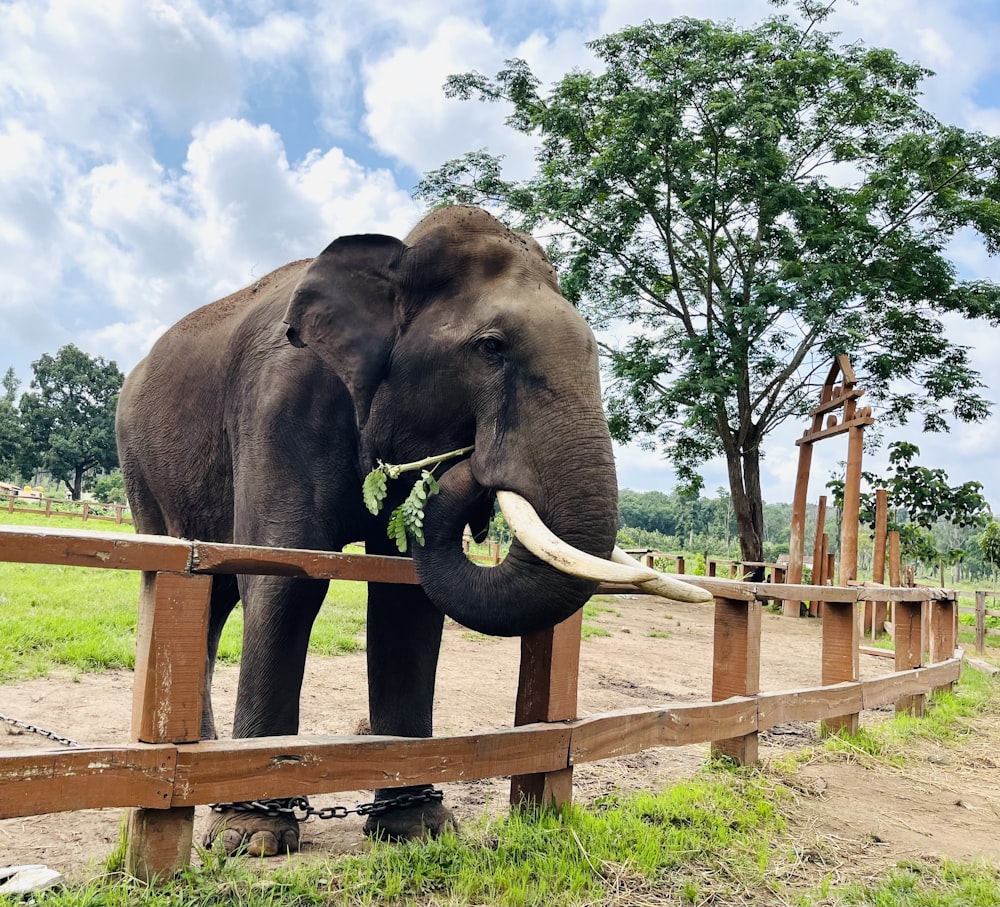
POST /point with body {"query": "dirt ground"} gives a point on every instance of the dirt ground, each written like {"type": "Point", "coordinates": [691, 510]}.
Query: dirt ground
{"type": "Point", "coordinates": [850, 818]}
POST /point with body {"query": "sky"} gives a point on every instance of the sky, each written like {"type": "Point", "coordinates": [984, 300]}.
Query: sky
{"type": "Point", "coordinates": [158, 154]}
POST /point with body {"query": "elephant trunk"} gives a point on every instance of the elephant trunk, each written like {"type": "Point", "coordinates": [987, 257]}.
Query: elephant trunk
{"type": "Point", "coordinates": [522, 594]}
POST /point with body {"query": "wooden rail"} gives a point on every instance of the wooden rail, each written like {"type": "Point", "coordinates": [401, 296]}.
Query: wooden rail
{"type": "Point", "coordinates": [166, 771]}
{"type": "Point", "coordinates": [982, 612]}
{"type": "Point", "coordinates": [49, 507]}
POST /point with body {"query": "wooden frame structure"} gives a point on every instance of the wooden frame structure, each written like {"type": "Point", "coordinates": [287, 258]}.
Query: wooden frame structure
{"type": "Point", "coordinates": [833, 397]}
{"type": "Point", "coordinates": [166, 771]}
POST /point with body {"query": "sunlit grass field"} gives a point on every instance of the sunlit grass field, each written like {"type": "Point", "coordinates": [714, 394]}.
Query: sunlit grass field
{"type": "Point", "coordinates": [83, 619]}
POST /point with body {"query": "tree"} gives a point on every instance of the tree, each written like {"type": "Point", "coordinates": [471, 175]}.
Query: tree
{"type": "Point", "coordinates": [919, 500]}
{"type": "Point", "coordinates": [11, 436]}
{"type": "Point", "coordinates": [110, 488]}
{"type": "Point", "coordinates": [753, 202]}
{"type": "Point", "coordinates": [68, 416]}
{"type": "Point", "coordinates": [989, 545]}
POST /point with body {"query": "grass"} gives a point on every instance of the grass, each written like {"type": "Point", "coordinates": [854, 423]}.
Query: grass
{"type": "Point", "coordinates": [594, 610]}
{"type": "Point", "coordinates": [949, 884]}
{"type": "Point", "coordinates": [713, 833]}
{"type": "Point", "coordinates": [41, 608]}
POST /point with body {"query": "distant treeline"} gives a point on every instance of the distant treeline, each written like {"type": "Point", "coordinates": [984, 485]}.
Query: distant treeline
{"type": "Point", "coordinates": [675, 523]}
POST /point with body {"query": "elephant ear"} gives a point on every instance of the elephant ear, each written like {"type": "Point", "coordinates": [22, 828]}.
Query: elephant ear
{"type": "Point", "coordinates": [345, 309]}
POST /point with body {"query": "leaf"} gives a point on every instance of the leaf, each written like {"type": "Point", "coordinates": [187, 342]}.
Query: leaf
{"type": "Point", "coordinates": [396, 529]}
{"type": "Point", "coordinates": [407, 520]}
{"type": "Point", "coordinates": [374, 488]}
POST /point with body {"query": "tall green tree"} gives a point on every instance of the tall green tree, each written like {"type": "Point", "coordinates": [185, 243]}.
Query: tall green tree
{"type": "Point", "coordinates": [68, 417]}
{"type": "Point", "coordinates": [920, 499]}
{"type": "Point", "coordinates": [11, 436]}
{"type": "Point", "coordinates": [751, 203]}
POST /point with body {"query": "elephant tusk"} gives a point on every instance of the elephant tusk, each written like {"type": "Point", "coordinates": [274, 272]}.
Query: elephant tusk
{"type": "Point", "coordinates": [546, 546]}
{"type": "Point", "coordinates": [663, 583]}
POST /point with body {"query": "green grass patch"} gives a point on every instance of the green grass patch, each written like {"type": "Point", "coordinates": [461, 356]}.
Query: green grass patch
{"type": "Point", "coordinates": [83, 619]}
{"type": "Point", "coordinates": [948, 884]}
{"type": "Point", "coordinates": [718, 834]}
{"type": "Point", "coordinates": [659, 634]}
{"type": "Point", "coordinates": [595, 609]}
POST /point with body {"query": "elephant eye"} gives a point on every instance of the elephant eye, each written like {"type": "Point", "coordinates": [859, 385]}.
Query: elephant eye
{"type": "Point", "coordinates": [491, 346]}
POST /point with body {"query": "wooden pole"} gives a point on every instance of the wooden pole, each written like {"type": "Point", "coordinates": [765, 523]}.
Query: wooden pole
{"type": "Point", "coordinates": [840, 661]}
{"type": "Point", "coordinates": [852, 507]}
{"type": "Point", "coordinates": [908, 628]}
{"type": "Point", "coordinates": [819, 552]}
{"type": "Point", "coordinates": [170, 662]}
{"type": "Point", "coordinates": [980, 623]}
{"type": "Point", "coordinates": [736, 667]}
{"type": "Point", "coordinates": [879, 609]}
{"type": "Point", "coordinates": [797, 539]}
{"type": "Point", "coordinates": [547, 691]}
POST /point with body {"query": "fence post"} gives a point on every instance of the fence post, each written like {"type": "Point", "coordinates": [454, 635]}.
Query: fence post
{"type": "Point", "coordinates": [942, 633]}
{"type": "Point", "coordinates": [736, 667]}
{"type": "Point", "coordinates": [170, 661]}
{"type": "Point", "coordinates": [840, 656]}
{"type": "Point", "coordinates": [10, 503]}
{"type": "Point", "coordinates": [908, 632]}
{"type": "Point", "coordinates": [680, 564]}
{"type": "Point", "coordinates": [980, 623]}
{"type": "Point", "coordinates": [547, 691]}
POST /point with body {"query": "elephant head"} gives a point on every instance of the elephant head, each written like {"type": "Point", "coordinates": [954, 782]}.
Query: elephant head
{"type": "Point", "coordinates": [458, 336]}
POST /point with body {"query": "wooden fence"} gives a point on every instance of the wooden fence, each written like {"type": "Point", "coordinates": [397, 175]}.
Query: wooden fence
{"type": "Point", "coordinates": [166, 771]}
{"type": "Point", "coordinates": [982, 612]}
{"type": "Point", "coordinates": [87, 510]}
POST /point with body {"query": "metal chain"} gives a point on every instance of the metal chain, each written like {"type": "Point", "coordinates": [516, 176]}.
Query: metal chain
{"type": "Point", "coordinates": [298, 807]}
{"type": "Point", "coordinates": [51, 735]}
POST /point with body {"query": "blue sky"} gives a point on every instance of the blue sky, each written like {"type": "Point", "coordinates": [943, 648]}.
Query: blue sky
{"type": "Point", "coordinates": [158, 154]}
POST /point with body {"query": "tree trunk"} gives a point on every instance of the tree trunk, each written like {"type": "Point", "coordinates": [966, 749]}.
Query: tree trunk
{"type": "Point", "coordinates": [77, 488]}
{"type": "Point", "coordinates": [744, 483]}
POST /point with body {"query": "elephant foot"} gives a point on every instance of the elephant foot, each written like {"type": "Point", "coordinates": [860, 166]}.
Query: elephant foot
{"type": "Point", "coordinates": [413, 822]}
{"type": "Point", "coordinates": [251, 833]}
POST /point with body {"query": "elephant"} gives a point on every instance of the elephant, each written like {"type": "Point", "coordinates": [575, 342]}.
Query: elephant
{"type": "Point", "coordinates": [256, 418]}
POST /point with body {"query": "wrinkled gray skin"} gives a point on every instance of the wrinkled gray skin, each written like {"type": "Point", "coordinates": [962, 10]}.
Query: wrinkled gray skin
{"type": "Point", "coordinates": [255, 419]}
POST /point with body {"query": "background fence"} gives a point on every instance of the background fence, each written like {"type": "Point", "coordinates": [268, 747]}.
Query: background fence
{"type": "Point", "coordinates": [86, 510]}
{"type": "Point", "coordinates": [166, 771]}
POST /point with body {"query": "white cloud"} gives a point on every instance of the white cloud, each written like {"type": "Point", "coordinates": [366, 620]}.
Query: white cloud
{"type": "Point", "coordinates": [92, 72]}
{"type": "Point", "coordinates": [408, 115]}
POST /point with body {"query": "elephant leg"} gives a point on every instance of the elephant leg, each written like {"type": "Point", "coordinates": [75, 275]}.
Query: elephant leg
{"type": "Point", "coordinates": [225, 595]}
{"type": "Point", "coordinates": [404, 638]}
{"type": "Point", "coordinates": [278, 617]}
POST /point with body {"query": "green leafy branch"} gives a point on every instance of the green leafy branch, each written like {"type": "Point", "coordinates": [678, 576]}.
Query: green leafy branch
{"type": "Point", "coordinates": [407, 520]}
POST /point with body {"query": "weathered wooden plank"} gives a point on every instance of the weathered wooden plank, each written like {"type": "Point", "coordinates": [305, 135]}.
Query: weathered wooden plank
{"type": "Point", "coordinates": [32, 784]}
{"type": "Point", "coordinates": [814, 704]}
{"type": "Point", "coordinates": [547, 691]}
{"type": "Point", "coordinates": [736, 667]}
{"type": "Point", "coordinates": [84, 548]}
{"type": "Point", "coordinates": [215, 557]}
{"type": "Point", "coordinates": [170, 664]}
{"type": "Point", "coordinates": [841, 634]}
{"type": "Point", "coordinates": [224, 770]}
{"type": "Point", "coordinates": [171, 654]}
{"type": "Point", "coordinates": [874, 650]}
{"type": "Point", "coordinates": [909, 647]}
{"type": "Point", "coordinates": [942, 630]}
{"type": "Point", "coordinates": [159, 842]}
{"type": "Point", "coordinates": [899, 685]}
{"type": "Point", "coordinates": [620, 733]}
{"type": "Point", "coordinates": [851, 393]}
{"type": "Point", "coordinates": [811, 437]}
